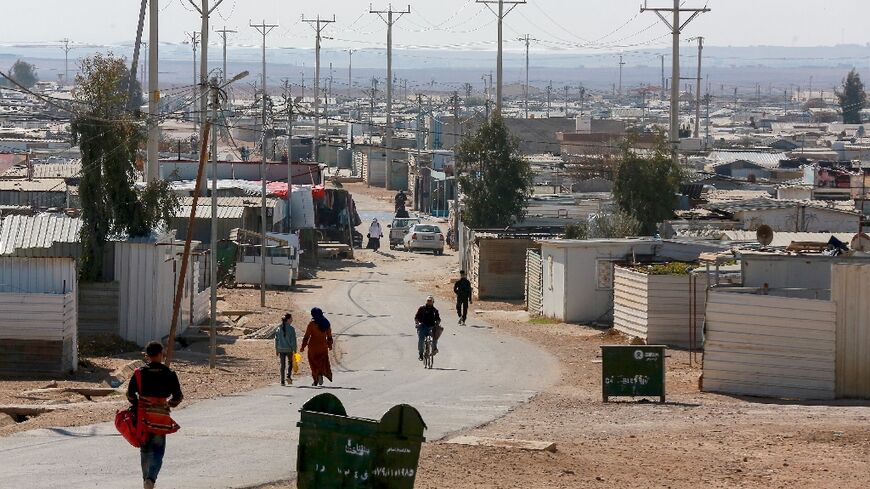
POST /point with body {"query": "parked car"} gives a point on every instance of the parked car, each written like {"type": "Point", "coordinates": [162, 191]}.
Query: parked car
{"type": "Point", "coordinates": [399, 228]}
{"type": "Point", "coordinates": [425, 237]}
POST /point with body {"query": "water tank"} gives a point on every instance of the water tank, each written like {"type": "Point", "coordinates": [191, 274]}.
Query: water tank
{"type": "Point", "coordinates": [344, 157]}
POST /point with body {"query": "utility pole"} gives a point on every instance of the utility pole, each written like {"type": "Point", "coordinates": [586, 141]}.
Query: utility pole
{"type": "Point", "coordinates": [676, 27]}
{"type": "Point", "coordinates": [501, 14]}
{"type": "Point", "coordinates": [526, 39]}
{"type": "Point", "coordinates": [66, 50]}
{"type": "Point", "coordinates": [288, 101]}
{"type": "Point", "coordinates": [264, 29]}
{"type": "Point", "coordinates": [621, 64]}
{"type": "Point", "coordinates": [223, 32]}
{"type": "Point", "coordinates": [152, 172]}
{"type": "Point", "coordinates": [215, 97]}
{"type": "Point", "coordinates": [389, 17]}
{"type": "Point", "coordinates": [698, 88]}
{"type": "Point", "coordinates": [204, 12]}
{"type": "Point", "coordinates": [194, 41]}
{"type": "Point", "coordinates": [549, 97]}
{"type": "Point", "coordinates": [662, 56]}
{"type": "Point", "coordinates": [566, 100]}
{"type": "Point", "coordinates": [350, 73]}
{"type": "Point", "coordinates": [319, 25]}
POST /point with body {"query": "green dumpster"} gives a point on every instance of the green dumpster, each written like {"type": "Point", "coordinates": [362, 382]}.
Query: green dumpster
{"type": "Point", "coordinates": [635, 371]}
{"type": "Point", "coordinates": [343, 452]}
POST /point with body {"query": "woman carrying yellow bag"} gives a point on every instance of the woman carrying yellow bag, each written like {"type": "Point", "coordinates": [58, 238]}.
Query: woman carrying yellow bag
{"type": "Point", "coordinates": [285, 346]}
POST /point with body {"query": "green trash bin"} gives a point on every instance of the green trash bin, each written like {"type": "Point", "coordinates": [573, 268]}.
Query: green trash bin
{"type": "Point", "coordinates": [635, 371]}
{"type": "Point", "coordinates": [343, 452]}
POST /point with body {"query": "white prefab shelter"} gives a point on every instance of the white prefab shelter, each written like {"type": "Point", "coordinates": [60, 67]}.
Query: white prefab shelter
{"type": "Point", "coordinates": [659, 308]}
{"type": "Point", "coordinates": [578, 275]}
{"type": "Point", "coordinates": [38, 316]}
{"type": "Point", "coordinates": [769, 345]}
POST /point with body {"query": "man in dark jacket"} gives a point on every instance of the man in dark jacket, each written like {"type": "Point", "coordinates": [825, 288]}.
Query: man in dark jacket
{"type": "Point", "coordinates": [427, 320]}
{"type": "Point", "coordinates": [463, 291]}
{"type": "Point", "coordinates": [158, 382]}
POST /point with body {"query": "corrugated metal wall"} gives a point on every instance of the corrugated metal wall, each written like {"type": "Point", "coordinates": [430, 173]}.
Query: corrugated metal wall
{"type": "Point", "coordinates": [38, 333]}
{"type": "Point", "coordinates": [765, 345]}
{"type": "Point", "coordinates": [37, 275]}
{"type": "Point", "coordinates": [98, 308]}
{"type": "Point", "coordinates": [147, 284]}
{"type": "Point", "coordinates": [534, 282]}
{"type": "Point", "coordinates": [850, 292]}
{"type": "Point", "coordinates": [656, 307]}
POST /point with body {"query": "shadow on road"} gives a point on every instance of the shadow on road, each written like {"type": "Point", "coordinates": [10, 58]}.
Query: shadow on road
{"type": "Point", "coordinates": [328, 387]}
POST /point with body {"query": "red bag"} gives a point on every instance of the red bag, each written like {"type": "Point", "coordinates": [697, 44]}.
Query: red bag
{"type": "Point", "coordinates": [125, 420]}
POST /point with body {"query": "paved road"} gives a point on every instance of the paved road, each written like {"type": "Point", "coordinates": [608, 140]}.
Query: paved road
{"type": "Point", "coordinates": [250, 439]}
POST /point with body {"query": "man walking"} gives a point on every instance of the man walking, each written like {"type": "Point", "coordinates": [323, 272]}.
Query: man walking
{"type": "Point", "coordinates": [463, 291]}
{"type": "Point", "coordinates": [159, 392]}
{"type": "Point", "coordinates": [285, 346]}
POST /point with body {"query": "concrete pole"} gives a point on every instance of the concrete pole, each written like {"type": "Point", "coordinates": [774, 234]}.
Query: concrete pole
{"type": "Point", "coordinates": [315, 150]}
{"type": "Point", "coordinates": [675, 86]}
{"type": "Point", "coordinates": [152, 173]}
{"type": "Point", "coordinates": [499, 64]}
{"type": "Point", "coordinates": [388, 165]}
{"type": "Point", "coordinates": [350, 74]}
{"type": "Point", "coordinates": [698, 90]}
{"type": "Point", "coordinates": [203, 61]}
{"type": "Point", "coordinates": [214, 231]}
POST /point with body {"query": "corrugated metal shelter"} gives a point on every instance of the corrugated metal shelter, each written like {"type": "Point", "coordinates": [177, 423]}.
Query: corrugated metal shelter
{"type": "Point", "coordinates": [498, 268]}
{"type": "Point", "coordinates": [769, 345]}
{"type": "Point", "coordinates": [38, 316]}
{"type": "Point", "coordinates": [658, 308]}
{"type": "Point", "coordinates": [850, 292]}
{"type": "Point", "coordinates": [40, 231]}
{"type": "Point", "coordinates": [46, 193]}
{"type": "Point", "coordinates": [147, 273]}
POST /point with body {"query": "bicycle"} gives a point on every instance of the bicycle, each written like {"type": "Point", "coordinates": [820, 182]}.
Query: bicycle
{"type": "Point", "coordinates": [428, 352]}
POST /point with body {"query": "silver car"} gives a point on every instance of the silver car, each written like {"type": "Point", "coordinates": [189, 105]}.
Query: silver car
{"type": "Point", "coordinates": [425, 237]}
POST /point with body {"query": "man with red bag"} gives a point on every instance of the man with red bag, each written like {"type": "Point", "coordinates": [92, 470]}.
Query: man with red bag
{"type": "Point", "coordinates": [159, 392]}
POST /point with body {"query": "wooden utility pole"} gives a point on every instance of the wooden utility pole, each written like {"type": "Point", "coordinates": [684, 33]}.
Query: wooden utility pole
{"type": "Point", "coordinates": [389, 17]}
{"type": "Point", "coordinates": [318, 25]}
{"type": "Point", "coordinates": [152, 171]}
{"type": "Point", "coordinates": [185, 256]}
{"type": "Point", "coordinates": [350, 73]}
{"type": "Point", "coordinates": [194, 42]}
{"type": "Point", "coordinates": [264, 29]}
{"type": "Point", "coordinates": [501, 14]}
{"type": "Point", "coordinates": [676, 27]}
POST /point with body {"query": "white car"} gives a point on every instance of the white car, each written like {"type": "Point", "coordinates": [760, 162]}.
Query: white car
{"type": "Point", "coordinates": [424, 237]}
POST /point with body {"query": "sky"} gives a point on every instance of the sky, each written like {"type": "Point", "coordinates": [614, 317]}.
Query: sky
{"type": "Point", "coordinates": [558, 25]}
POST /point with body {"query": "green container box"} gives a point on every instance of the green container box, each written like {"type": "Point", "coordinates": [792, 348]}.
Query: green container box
{"type": "Point", "coordinates": [341, 452]}
{"type": "Point", "coordinates": [634, 371]}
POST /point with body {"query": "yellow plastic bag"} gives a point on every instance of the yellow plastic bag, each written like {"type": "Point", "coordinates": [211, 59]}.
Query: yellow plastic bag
{"type": "Point", "coordinates": [297, 358]}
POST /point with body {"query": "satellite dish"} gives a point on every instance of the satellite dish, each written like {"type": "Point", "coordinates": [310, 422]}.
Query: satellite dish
{"type": "Point", "coordinates": [861, 242]}
{"type": "Point", "coordinates": [764, 235]}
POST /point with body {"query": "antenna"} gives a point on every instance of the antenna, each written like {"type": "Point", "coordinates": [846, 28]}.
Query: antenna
{"type": "Point", "coordinates": [764, 235]}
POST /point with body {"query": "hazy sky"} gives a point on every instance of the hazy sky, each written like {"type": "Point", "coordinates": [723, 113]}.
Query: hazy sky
{"type": "Point", "coordinates": [558, 24]}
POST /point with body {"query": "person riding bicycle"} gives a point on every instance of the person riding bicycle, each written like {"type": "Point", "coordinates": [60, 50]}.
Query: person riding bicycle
{"type": "Point", "coordinates": [427, 320]}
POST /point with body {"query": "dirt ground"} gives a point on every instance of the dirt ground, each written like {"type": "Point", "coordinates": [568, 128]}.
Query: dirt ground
{"type": "Point", "coordinates": [243, 365]}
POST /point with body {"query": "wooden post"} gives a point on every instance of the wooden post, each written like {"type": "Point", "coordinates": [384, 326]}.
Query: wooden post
{"type": "Point", "coordinates": [185, 257]}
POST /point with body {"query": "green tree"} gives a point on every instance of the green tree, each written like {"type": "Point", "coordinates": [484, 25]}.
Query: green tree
{"type": "Point", "coordinates": [495, 180]}
{"type": "Point", "coordinates": [24, 74]}
{"type": "Point", "coordinates": [852, 98]}
{"type": "Point", "coordinates": [109, 137]}
{"type": "Point", "coordinates": [646, 187]}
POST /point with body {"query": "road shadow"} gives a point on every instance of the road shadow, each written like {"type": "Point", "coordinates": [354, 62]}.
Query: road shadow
{"type": "Point", "coordinates": [799, 402]}
{"type": "Point", "coordinates": [361, 335]}
{"type": "Point", "coordinates": [476, 326]}
{"type": "Point", "coordinates": [328, 387]}
{"type": "Point", "coordinates": [449, 369]}
{"type": "Point", "coordinates": [649, 402]}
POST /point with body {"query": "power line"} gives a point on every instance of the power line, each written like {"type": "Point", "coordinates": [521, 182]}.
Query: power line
{"type": "Point", "coordinates": [318, 24]}
{"type": "Point", "coordinates": [500, 14]}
